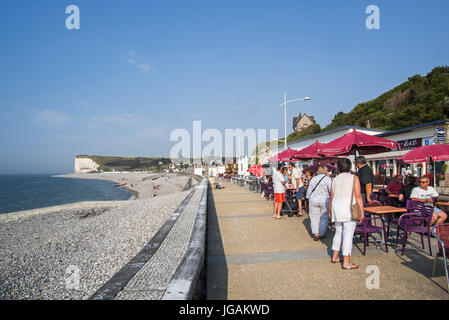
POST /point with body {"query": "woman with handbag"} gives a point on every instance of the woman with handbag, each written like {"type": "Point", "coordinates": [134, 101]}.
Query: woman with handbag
{"type": "Point", "coordinates": [318, 194]}
{"type": "Point", "coordinates": [345, 209]}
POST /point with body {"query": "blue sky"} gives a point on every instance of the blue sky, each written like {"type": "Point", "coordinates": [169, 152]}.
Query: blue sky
{"type": "Point", "coordinates": [136, 70]}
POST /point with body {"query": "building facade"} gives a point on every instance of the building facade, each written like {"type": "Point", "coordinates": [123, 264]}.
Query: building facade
{"type": "Point", "coordinates": [302, 122]}
{"type": "Point", "coordinates": [408, 139]}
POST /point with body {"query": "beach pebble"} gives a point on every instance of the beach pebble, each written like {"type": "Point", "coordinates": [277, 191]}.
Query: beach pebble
{"type": "Point", "coordinates": [70, 254]}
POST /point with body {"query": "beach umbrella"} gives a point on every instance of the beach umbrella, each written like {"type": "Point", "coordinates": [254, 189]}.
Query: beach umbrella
{"type": "Point", "coordinates": [283, 156]}
{"type": "Point", "coordinates": [356, 141]}
{"type": "Point", "coordinates": [435, 152]}
{"type": "Point", "coordinates": [253, 169]}
{"type": "Point", "coordinates": [256, 170]}
{"type": "Point", "coordinates": [309, 152]}
{"type": "Point", "coordinates": [259, 170]}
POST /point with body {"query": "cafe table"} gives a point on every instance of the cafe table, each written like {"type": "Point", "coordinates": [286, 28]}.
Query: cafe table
{"type": "Point", "coordinates": [385, 210]}
{"type": "Point", "coordinates": [443, 204]}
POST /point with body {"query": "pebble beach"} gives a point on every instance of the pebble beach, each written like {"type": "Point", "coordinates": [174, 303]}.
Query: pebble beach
{"type": "Point", "coordinates": [43, 252]}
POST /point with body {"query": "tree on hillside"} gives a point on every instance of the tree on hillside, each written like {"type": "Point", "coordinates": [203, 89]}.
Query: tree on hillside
{"type": "Point", "coordinates": [416, 101]}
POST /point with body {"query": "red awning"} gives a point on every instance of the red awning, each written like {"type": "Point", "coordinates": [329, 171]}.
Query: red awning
{"type": "Point", "coordinates": [356, 141]}
{"type": "Point", "coordinates": [283, 156]}
{"type": "Point", "coordinates": [438, 152]}
{"type": "Point", "coordinates": [309, 152]}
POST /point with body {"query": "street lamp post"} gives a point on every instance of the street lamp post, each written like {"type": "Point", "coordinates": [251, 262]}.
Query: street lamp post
{"type": "Point", "coordinates": [285, 114]}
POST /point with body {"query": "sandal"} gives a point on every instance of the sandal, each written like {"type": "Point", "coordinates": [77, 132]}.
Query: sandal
{"type": "Point", "coordinates": [336, 261]}
{"type": "Point", "coordinates": [351, 266]}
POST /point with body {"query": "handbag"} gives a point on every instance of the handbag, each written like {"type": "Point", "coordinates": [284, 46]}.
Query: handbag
{"type": "Point", "coordinates": [356, 213]}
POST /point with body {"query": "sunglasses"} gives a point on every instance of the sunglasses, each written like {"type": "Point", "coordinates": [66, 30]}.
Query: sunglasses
{"type": "Point", "coordinates": [423, 181]}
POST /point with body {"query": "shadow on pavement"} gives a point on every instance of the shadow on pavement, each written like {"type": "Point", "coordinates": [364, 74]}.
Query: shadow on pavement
{"type": "Point", "coordinates": [217, 270]}
{"type": "Point", "coordinates": [419, 260]}
{"type": "Point", "coordinates": [328, 236]}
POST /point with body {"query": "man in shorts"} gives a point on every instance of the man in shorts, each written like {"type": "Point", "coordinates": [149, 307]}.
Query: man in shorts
{"type": "Point", "coordinates": [279, 191]}
{"type": "Point", "coordinates": [427, 194]}
{"type": "Point", "coordinates": [297, 185]}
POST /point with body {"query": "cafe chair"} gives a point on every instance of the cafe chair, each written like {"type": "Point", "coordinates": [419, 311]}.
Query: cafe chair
{"type": "Point", "coordinates": [380, 196]}
{"type": "Point", "coordinates": [441, 232]}
{"type": "Point", "coordinates": [369, 225]}
{"type": "Point", "coordinates": [417, 222]}
{"type": "Point", "coordinates": [411, 206]}
{"type": "Point", "coordinates": [269, 191]}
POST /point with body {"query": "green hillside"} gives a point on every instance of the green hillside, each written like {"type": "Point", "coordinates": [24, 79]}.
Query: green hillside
{"type": "Point", "coordinates": [419, 100]}
{"type": "Point", "coordinates": [129, 163]}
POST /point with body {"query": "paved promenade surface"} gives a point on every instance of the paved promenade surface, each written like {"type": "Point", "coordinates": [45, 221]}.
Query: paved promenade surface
{"type": "Point", "coordinates": [253, 256]}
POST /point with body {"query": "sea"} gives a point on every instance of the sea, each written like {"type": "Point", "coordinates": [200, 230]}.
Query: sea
{"type": "Point", "coordinates": [31, 191]}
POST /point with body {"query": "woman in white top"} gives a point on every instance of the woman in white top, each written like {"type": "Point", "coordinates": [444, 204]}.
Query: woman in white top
{"type": "Point", "coordinates": [318, 194]}
{"type": "Point", "coordinates": [340, 209]}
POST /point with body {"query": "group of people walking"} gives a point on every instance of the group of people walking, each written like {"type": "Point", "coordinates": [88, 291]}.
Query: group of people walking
{"type": "Point", "coordinates": [328, 199]}
{"type": "Point", "coordinates": [331, 198]}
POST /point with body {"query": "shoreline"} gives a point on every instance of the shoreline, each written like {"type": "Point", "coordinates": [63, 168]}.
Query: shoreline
{"type": "Point", "coordinates": [113, 177]}
{"type": "Point", "coordinates": [134, 193]}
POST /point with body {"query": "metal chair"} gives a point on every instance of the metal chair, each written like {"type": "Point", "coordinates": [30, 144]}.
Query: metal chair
{"type": "Point", "coordinates": [418, 222]}
{"type": "Point", "coordinates": [441, 232]}
{"type": "Point", "coordinates": [369, 225]}
{"type": "Point", "coordinates": [411, 206]}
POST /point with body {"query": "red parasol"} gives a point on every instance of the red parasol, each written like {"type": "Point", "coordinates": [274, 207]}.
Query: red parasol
{"type": "Point", "coordinates": [438, 152]}
{"type": "Point", "coordinates": [283, 156]}
{"type": "Point", "coordinates": [356, 141]}
{"type": "Point", "coordinates": [309, 152]}
{"type": "Point", "coordinates": [257, 170]}
{"type": "Point", "coordinates": [252, 169]}
{"type": "Point", "coordinates": [435, 152]}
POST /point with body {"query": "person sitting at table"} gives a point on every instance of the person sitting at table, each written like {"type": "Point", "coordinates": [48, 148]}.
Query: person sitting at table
{"type": "Point", "coordinates": [393, 188]}
{"type": "Point", "coordinates": [406, 191]}
{"type": "Point", "coordinates": [427, 194]}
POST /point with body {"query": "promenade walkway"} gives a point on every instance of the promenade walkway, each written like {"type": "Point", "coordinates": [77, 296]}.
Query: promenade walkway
{"type": "Point", "coordinates": [250, 255]}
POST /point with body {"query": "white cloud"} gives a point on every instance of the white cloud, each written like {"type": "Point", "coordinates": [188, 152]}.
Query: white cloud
{"type": "Point", "coordinates": [144, 67]}
{"type": "Point", "coordinates": [52, 118]}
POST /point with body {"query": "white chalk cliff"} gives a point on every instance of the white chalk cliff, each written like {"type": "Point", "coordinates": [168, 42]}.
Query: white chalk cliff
{"type": "Point", "coordinates": [84, 165]}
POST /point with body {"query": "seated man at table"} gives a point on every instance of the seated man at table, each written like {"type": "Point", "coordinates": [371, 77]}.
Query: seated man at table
{"type": "Point", "coordinates": [427, 194]}
{"type": "Point", "coordinates": [406, 191]}
{"type": "Point", "coordinates": [393, 188]}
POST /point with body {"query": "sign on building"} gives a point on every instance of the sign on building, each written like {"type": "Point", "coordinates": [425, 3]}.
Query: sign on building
{"type": "Point", "coordinates": [441, 134]}
{"type": "Point", "coordinates": [428, 141]}
{"type": "Point", "coordinates": [409, 144]}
